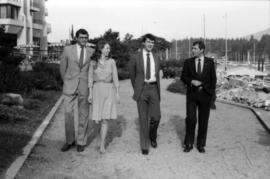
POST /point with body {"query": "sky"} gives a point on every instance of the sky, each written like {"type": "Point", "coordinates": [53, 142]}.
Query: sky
{"type": "Point", "coordinates": [169, 19]}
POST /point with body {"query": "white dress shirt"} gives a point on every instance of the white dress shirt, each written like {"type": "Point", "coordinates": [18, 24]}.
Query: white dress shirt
{"type": "Point", "coordinates": [152, 66]}
{"type": "Point", "coordinates": [79, 53]}
{"type": "Point", "coordinates": [196, 63]}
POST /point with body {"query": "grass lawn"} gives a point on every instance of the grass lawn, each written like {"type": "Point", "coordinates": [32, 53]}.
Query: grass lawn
{"type": "Point", "coordinates": [17, 130]}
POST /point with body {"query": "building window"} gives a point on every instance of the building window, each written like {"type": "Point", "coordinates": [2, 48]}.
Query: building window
{"type": "Point", "coordinates": [8, 11]}
{"type": "Point", "coordinates": [36, 41]}
{"type": "Point", "coordinates": [3, 12]}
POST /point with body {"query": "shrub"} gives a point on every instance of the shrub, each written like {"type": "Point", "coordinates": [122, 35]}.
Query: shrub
{"type": "Point", "coordinates": [31, 104]}
{"type": "Point", "coordinates": [51, 68]}
{"type": "Point", "coordinates": [9, 71]}
{"type": "Point", "coordinates": [177, 87]}
{"type": "Point", "coordinates": [171, 68]}
{"type": "Point", "coordinates": [12, 114]}
{"type": "Point", "coordinates": [39, 95]}
{"type": "Point", "coordinates": [123, 74]}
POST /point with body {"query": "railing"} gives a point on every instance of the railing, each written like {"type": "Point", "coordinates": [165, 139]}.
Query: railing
{"type": "Point", "coordinates": [34, 54]}
{"type": "Point", "coordinates": [11, 1]}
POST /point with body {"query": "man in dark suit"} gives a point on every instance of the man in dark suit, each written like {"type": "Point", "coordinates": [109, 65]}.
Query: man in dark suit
{"type": "Point", "coordinates": [144, 69]}
{"type": "Point", "coordinates": [199, 75]}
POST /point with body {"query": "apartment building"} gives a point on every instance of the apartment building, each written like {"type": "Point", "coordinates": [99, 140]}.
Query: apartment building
{"type": "Point", "coordinates": [24, 20]}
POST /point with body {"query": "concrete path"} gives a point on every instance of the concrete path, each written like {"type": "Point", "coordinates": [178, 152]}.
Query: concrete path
{"type": "Point", "coordinates": [237, 147]}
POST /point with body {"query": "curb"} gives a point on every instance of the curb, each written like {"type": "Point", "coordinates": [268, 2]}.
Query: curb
{"type": "Point", "coordinates": [257, 114]}
{"type": "Point", "coordinates": [17, 164]}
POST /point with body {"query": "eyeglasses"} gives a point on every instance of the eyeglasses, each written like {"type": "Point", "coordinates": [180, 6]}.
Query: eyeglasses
{"type": "Point", "coordinates": [82, 37]}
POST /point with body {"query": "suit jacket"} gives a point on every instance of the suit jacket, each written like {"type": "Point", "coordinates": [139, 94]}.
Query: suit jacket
{"type": "Point", "coordinates": [207, 77]}
{"type": "Point", "coordinates": [137, 74]}
{"type": "Point", "coordinates": [71, 73]}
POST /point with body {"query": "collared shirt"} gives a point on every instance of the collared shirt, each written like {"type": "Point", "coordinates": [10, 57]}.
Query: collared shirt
{"type": "Point", "coordinates": [79, 52]}
{"type": "Point", "coordinates": [152, 66]}
{"type": "Point", "coordinates": [196, 63]}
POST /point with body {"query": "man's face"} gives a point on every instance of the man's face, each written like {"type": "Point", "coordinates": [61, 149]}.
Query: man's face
{"type": "Point", "coordinates": [196, 51]}
{"type": "Point", "coordinates": [82, 39]}
{"type": "Point", "coordinates": [148, 44]}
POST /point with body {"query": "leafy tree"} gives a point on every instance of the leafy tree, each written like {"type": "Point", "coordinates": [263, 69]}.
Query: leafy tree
{"type": "Point", "coordinates": [119, 50]}
{"type": "Point", "coordinates": [264, 45]}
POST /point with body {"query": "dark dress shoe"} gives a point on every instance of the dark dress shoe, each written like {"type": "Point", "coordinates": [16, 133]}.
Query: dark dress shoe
{"type": "Point", "coordinates": [188, 148]}
{"type": "Point", "coordinates": [67, 146]}
{"type": "Point", "coordinates": [153, 143]}
{"type": "Point", "coordinates": [80, 148]}
{"type": "Point", "coordinates": [145, 152]}
{"type": "Point", "coordinates": [201, 149]}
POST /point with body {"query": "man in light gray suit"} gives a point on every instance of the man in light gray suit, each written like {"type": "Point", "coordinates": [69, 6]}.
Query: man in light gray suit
{"type": "Point", "coordinates": [144, 69]}
{"type": "Point", "coordinates": [74, 65]}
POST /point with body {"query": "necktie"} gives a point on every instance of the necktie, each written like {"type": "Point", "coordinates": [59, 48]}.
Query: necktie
{"type": "Point", "coordinates": [81, 57]}
{"type": "Point", "coordinates": [148, 67]}
{"type": "Point", "coordinates": [199, 69]}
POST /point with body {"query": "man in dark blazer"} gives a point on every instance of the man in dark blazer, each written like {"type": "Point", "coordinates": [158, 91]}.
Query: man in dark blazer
{"type": "Point", "coordinates": [199, 75]}
{"type": "Point", "coordinates": [144, 69]}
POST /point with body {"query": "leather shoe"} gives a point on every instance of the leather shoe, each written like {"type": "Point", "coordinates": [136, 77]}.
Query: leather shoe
{"type": "Point", "coordinates": [188, 148]}
{"type": "Point", "coordinates": [80, 148]}
{"type": "Point", "coordinates": [201, 149]}
{"type": "Point", "coordinates": [153, 143]}
{"type": "Point", "coordinates": [145, 152]}
{"type": "Point", "coordinates": [67, 146]}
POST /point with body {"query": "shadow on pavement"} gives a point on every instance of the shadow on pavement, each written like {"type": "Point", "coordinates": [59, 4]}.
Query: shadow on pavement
{"type": "Point", "coordinates": [179, 126]}
{"type": "Point", "coordinates": [115, 129]}
{"type": "Point", "coordinates": [264, 137]}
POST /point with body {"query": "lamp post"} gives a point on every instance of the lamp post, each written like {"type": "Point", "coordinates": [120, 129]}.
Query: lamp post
{"type": "Point", "coordinates": [226, 44]}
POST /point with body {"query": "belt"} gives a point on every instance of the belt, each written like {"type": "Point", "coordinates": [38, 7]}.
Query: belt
{"type": "Point", "coordinates": [150, 83]}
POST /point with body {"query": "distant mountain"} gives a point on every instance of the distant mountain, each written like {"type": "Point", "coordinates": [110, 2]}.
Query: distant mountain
{"type": "Point", "coordinates": [258, 35]}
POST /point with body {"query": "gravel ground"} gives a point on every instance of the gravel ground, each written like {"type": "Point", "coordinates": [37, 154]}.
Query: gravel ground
{"type": "Point", "coordinates": [237, 147]}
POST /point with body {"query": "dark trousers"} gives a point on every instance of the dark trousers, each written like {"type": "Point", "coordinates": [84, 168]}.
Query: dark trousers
{"type": "Point", "coordinates": [148, 107]}
{"type": "Point", "coordinates": [197, 102]}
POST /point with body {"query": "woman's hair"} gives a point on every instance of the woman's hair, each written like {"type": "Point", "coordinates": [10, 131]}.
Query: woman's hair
{"type": "Point", "coordinates": [97, 54]}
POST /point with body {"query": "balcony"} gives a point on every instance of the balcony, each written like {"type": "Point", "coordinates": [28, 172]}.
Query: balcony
{"type": "Point", "coordinates": [17, 3]}
{"type": "Point", "coordinates": [37, 26]}
{"type": "Point", "coordinates": [34, 9]}
{"type": "Point", "coordinates": [12, 26]}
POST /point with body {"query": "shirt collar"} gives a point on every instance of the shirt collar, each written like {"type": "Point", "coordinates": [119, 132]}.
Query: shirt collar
{"type": "Point", "coordinates": [145, 52]}
{"type": "Point", "coordinates": [202, 58]}
{"type": "Point", "coordinates": [78, 46]}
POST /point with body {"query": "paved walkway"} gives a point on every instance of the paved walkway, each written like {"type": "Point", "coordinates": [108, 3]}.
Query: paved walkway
{"type": "Point", "coordinates": [237, 147]}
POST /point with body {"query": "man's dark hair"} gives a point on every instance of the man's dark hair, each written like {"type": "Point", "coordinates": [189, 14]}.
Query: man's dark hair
{"type": "Point", "coordinates": [81, 31]}
{"type": "Point", "coordinates": [148, 36]}
{"type": "Point", "coordinates": [200, 44]}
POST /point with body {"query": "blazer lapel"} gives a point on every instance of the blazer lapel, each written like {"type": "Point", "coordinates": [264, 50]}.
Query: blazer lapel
{"type": "Point", "coordinates": [87, 58]}
{"type": "Point", "coordinates": [193, 66]}
{"type": "Point", "coordinates": [74, 53]}
{"type": "Point", "coordinates": [205, 66]}
{"type": "Point", "coordinates": [141, 62]}
{"type": "Point", "coordinates": [156, 63]}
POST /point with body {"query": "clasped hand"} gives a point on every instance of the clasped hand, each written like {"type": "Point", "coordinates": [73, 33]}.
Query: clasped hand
{"type": "Point", "coordinates": [196, 83]}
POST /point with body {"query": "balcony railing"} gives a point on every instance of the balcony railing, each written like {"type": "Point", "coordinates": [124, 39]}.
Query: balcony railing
{"type": "Point", "coordinates": [12, 2]}
{"type": "Point", "coordinates": [15, 22]}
